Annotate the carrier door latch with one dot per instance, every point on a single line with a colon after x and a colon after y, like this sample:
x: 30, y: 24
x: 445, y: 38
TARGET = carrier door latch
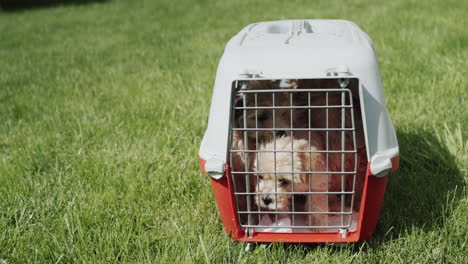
x: 214, y: 168
x: 250, y: 73
x: 380, y: 166
x: 340, y: 70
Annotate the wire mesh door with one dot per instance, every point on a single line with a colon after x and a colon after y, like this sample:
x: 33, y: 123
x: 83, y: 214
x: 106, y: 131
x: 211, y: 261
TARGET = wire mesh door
x: 294, y: 155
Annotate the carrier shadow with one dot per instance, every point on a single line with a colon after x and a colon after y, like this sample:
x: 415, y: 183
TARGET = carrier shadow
x: 416, y: 193
x: 21, y: 5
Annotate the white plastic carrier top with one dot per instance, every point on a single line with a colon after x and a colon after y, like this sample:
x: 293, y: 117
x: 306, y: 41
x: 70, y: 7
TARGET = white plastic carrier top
x: 300, y: 49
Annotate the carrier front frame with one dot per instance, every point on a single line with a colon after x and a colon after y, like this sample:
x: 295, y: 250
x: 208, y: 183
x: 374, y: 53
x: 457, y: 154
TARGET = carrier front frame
x: 369, y: 206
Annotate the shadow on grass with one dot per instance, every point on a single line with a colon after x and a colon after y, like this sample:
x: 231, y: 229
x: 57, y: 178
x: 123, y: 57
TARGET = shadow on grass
x: 20, y: 5
x: 417, y: 193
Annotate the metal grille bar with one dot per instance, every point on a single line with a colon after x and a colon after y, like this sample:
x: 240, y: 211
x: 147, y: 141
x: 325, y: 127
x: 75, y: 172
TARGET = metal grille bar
x: 294, y: 151
x: 296, y: 227
x: 298, y: 213
x: 291, y: 107
x: 292, y: 129
x: 295, y: 172
x: 292, y: 192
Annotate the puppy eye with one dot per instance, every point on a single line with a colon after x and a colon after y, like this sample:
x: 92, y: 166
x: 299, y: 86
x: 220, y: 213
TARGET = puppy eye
x: 262, y: 117
x: 280, y: 133
x: 260, y: 177
x: 284, y: 181
x: 338, y: 197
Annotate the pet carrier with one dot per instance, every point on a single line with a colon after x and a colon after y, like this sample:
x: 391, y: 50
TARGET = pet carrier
x: 299, y: 143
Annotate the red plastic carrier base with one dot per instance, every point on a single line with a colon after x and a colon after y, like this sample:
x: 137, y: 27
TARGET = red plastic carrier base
x: 371, y: 202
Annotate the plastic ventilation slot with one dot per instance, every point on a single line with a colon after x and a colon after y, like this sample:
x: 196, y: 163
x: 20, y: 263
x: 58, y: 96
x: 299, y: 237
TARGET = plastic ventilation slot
x: 299, y: 27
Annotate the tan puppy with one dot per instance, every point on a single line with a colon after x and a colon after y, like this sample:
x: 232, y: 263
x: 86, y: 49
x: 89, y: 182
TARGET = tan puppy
x: 275, y: 184
x: 317, y: 119
x: 260, y: 118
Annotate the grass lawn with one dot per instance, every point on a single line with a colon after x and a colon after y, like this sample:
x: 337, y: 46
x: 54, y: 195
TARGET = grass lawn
x: 103, y: 106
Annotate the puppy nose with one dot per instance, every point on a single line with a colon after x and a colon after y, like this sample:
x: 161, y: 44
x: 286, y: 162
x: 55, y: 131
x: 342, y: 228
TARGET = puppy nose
x: 267, y: 200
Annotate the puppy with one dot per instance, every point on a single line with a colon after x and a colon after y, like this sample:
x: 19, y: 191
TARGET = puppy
x: 275, y: 185
x: 332, y: 140
x: 245, y: 141
x: 259, y: 118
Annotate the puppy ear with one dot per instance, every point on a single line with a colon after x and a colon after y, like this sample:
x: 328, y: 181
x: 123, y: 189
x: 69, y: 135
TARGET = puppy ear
x: 293, y: 83
x: 317, y: 161
x: 238, y: 114
x: 237, y: 100
x: 304, y: 156
x: 304, y: 180
x: 310, y: 161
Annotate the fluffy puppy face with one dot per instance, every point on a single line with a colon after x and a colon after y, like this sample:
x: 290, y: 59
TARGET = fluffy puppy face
x: 262, y: 118
x: 270, y: 184
x: 273, y: 187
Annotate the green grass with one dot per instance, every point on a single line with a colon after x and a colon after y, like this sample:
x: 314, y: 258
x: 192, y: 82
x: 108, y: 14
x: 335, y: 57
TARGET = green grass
x: 103, y: 106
